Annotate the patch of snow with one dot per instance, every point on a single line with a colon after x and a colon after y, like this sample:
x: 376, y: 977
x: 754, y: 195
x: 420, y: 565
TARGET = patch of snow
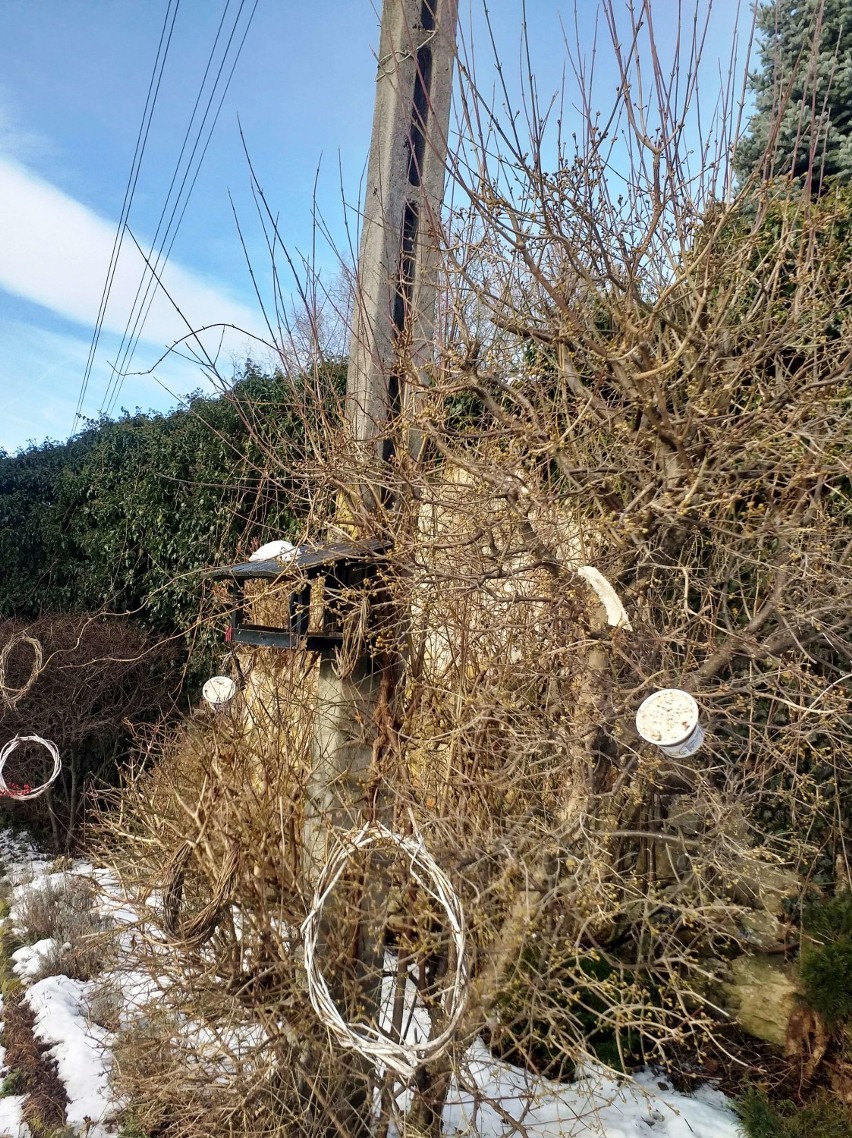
x: 275, y: 551
x: 12, y: 1124
x: 113, y: 903
x: 416, y: 1021
x: 80, y: 1049
x: 712, y: 1096
x: 36, y: 884
x: 22, y: 862
x: 139, y: 992
x: 490, y: 1095
x: 597, y: 1105
x: 16, y: 847
x: 28, y: 961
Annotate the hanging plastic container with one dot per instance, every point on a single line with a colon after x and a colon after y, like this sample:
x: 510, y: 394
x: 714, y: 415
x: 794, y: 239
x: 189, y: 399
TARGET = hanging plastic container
x: 218, y: 692
x: 669, y: 720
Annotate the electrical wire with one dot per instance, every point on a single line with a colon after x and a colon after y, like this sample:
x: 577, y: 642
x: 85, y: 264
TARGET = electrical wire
x: 165, y: 235
x: 130, y: 189
x: 137, y: 306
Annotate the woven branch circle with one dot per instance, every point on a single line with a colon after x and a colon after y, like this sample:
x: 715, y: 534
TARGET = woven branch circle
x: 404, y: 1058
x: 12, y: 695
x: 199, y: 928
x: 24, y: 795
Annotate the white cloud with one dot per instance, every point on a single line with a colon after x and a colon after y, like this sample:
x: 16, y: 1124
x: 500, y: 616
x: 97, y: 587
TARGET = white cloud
x: 56, y: 251
x: 14, y: 140
x: 40, y: 374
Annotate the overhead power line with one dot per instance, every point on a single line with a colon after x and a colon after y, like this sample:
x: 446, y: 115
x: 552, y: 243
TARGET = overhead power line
x: 221, y: 63
x: 130, y: 189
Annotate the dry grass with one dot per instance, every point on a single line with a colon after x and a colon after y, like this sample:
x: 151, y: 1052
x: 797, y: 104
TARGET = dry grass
x: 66, y: 911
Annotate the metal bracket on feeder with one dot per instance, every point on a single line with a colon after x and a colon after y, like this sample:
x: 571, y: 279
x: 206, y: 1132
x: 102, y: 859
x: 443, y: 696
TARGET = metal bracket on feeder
x: 325, y: 580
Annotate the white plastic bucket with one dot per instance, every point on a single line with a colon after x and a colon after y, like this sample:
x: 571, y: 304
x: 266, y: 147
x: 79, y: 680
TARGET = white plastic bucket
x: 218, y: 692
x: 669, y: 719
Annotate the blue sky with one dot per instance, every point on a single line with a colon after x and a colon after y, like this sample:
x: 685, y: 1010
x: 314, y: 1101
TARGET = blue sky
x: 73, y: 81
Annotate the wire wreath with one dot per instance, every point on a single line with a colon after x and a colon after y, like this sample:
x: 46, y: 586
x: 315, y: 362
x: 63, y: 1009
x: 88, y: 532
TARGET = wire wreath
x: 373, y: 1044
x: 24, y: 793
x: 199, y: 928
x: 12, y: 695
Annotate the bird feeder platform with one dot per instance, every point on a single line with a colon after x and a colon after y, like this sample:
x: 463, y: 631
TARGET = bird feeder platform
x: 326, y: 580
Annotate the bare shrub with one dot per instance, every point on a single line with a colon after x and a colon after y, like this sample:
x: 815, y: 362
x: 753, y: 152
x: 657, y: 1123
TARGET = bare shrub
x: 650, y: 382
x: 99, y: 677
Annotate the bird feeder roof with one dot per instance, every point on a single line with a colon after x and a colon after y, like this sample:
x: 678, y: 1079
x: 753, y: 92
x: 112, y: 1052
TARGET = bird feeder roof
x: 308, y: 560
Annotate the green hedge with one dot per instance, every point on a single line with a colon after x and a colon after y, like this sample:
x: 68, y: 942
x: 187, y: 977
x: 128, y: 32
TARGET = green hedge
x: 123, y: 517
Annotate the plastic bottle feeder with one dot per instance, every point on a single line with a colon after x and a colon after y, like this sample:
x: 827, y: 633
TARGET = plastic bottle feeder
x: 669, y: 720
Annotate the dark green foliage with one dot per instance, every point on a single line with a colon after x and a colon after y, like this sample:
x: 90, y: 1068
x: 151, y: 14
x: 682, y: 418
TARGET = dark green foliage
x: 826, y: 968
x: 464, y: 414
x: 126, y: 515
x: 827, y: 978
x: 783, y: 231
x: 759, y: 1117
x: 569, y: 1015
x: 13, y: 1084
x: 822, y: 1118
x: 805, y: 72
x: 830, y: 920
x: 131, y: 1128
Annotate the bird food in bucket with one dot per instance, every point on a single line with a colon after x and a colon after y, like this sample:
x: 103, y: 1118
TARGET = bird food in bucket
x: 669, y: 720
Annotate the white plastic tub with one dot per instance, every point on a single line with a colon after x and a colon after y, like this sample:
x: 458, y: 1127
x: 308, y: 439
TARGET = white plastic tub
x: 218, y: 692
x: 669, y: 719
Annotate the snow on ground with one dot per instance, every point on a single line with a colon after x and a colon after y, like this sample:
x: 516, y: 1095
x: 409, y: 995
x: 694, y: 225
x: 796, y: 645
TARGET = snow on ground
x: 489, y: 1095
x: 19, y: 858
x: 59, y: 1003
x: 488, y: 1098
x: 29, y: 960
x: 11, y: 1123
x: 594, y: 1106
x: 81, y: 1050
x: 11, y: 1106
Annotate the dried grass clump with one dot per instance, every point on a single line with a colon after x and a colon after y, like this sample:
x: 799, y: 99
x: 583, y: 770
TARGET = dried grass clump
x: 66, y: 911
x: 654, y: 384
x: 35, y: 1070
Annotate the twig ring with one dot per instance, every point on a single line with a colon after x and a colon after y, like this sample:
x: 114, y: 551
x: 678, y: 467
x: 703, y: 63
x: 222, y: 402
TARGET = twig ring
x: 404, y: 1058
x: 23, y: 794
x: 12, y: 695
x: 199, y: 928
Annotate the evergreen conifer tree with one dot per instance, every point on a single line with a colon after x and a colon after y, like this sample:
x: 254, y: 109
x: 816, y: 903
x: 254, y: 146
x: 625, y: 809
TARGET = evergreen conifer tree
x: 802, y: 123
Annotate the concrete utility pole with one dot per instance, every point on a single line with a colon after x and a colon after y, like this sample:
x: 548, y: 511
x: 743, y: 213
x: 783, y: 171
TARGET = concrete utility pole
x: 395, y: 299
x: 392, y: 339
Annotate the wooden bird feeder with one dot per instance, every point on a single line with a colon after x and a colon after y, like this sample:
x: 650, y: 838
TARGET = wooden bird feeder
x: 326, y: 581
